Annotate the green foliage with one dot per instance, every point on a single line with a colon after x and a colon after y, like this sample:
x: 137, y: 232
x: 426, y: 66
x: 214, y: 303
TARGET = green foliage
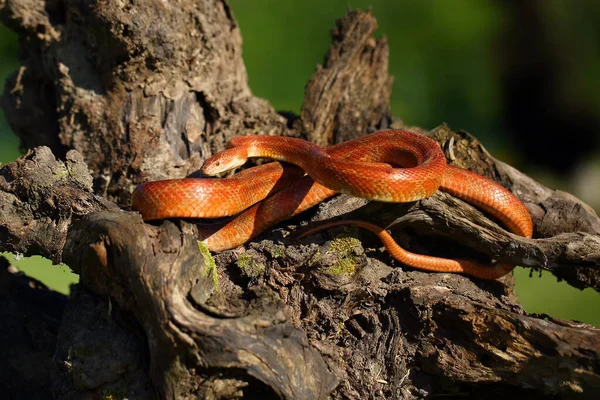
x: 541, y: 293
x: 439, y: 55
x: 56, y: 277
x: 250, y: 264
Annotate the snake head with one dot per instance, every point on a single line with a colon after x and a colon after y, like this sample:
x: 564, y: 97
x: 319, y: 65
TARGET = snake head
x: 225, y: 160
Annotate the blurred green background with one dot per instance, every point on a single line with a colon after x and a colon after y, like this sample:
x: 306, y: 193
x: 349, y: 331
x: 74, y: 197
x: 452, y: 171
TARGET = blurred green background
x: 518, y: 75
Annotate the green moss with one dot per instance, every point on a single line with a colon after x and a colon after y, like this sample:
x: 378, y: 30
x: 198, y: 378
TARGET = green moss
x: 209, y: 261
x: 344, y: 244
x: 250, y: 265
x: 346, y: 265
x: 61, y: 171
x: 344, y: 247
x: 277, y: 252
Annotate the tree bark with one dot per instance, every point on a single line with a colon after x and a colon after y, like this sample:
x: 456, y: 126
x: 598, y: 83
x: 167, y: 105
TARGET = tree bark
x: 123, y: 95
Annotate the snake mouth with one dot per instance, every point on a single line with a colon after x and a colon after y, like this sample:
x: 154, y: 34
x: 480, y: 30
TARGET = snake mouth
x: 224, y: 161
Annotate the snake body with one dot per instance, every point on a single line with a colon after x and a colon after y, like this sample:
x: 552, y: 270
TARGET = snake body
x: 361, y: 167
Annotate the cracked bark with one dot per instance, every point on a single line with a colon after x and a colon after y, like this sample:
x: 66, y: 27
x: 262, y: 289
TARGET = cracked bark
x: 122, y: 96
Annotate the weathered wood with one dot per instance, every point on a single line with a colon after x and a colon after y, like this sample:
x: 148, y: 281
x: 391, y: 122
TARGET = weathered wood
x: 355, y: 71
x: 149, y: 93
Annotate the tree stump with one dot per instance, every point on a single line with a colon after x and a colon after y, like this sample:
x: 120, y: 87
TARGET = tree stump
x: 111, y: 95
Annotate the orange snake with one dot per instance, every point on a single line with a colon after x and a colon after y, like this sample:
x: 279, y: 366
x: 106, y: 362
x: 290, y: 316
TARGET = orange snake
x: 360, y: 167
